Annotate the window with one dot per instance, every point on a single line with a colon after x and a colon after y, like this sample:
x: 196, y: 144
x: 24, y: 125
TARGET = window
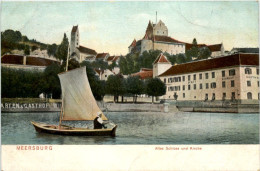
x: 164, y: 80
x: 224, y: 96
x: 200, y: 86
x: 213, y: 96
x: 194, y: 77
x: 248, y: 83
x: 258, y: 96
x: 194, y: 86
x: 213, y: 85
x: 207, y: 75
x: 232, y: 83
x: 232, y: 72
x: 233, y: 97
x: 183, y: 95
x: 223, y: 73
x: 223, y: 84
x: 257, y: 71
x: 248, y: 71
x: 213, y: 74
x: 188, y: 77
x: 183, y: 78
x: 105, y: 75
x: 258, y: 83
x: 207, y: 85
x: 183, y: 87
x: 188, y: 87
x: 249, y: 95
x: 200, y: 76
x: 206, y: 97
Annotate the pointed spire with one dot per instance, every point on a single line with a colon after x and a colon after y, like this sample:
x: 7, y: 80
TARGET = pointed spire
x: 161, y: 59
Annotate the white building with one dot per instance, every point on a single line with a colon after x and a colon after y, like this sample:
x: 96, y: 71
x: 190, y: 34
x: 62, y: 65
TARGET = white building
x: 104, y: 74
x: 80, y: 53
x: 234, y: 77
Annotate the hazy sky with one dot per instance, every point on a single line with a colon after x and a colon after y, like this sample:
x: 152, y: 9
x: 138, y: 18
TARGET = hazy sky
x: 112, y: 26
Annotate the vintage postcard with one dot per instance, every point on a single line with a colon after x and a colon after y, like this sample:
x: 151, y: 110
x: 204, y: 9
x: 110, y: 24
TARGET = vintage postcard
x: 130, y: 85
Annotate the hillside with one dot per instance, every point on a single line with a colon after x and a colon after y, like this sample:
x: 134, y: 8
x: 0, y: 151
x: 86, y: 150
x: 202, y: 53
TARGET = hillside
x: 14, y: 40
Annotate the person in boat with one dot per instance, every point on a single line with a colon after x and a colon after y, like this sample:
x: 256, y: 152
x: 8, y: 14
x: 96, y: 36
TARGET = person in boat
x: 98, y: 122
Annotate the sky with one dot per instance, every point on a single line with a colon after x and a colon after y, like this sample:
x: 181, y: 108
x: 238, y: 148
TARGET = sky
x: 111, y: 26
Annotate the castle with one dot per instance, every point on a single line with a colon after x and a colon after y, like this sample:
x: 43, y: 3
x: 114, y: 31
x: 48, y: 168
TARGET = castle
x: 156, y: 38
x: 80, y: 53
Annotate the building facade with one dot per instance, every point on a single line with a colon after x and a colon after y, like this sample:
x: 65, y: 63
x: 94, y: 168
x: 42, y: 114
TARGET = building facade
x: 234, y: 77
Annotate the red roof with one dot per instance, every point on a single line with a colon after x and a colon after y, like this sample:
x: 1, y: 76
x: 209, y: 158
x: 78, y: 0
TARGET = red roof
x: 115, y: 58
x: 101, y: 55
x: 36, y: 61
x: 74, y: 28
x: 165, y: 39
x: 12, y: 59
x: 144, y: 74
x: 214, y: 48
x: 83, y: 49
x: 30, y: 60
x: 188, y: 46
x: 161, y: 59
x: 215, y: 63
x: 110, y: 58
x: 99, y: 71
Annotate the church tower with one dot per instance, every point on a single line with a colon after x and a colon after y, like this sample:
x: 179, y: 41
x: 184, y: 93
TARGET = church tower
x: 74, y: 40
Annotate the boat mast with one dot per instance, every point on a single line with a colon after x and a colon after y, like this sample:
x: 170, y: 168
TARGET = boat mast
x: 61, y: 111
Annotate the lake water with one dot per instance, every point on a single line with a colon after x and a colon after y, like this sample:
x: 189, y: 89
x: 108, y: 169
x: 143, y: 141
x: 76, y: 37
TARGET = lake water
x: 141, y: 128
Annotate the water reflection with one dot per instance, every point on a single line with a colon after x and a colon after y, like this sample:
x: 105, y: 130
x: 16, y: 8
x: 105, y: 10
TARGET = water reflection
x: 141, y: 128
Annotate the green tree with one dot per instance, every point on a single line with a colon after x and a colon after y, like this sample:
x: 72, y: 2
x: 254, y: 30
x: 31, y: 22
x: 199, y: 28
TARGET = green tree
x: 27, y: 50
x: 100, y: 64
x: 25, y: 39
x: 155, y: 87
x: 11, y: 36
x: 180, y: 59
x: 112, y: 66
x: 115, y: 85
x: 20, y: 83
x: 51, y: 49
x: 123, y: 65
x: 147, y: 58
x: 204, y: 53
x: 62, y: 49
x: 33, y: 48
x: 51, y: 81
x: 135, y: 87
x: 172, y: 59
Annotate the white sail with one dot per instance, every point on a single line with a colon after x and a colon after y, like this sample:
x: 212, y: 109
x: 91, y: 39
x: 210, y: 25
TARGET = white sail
x: 77, y: 98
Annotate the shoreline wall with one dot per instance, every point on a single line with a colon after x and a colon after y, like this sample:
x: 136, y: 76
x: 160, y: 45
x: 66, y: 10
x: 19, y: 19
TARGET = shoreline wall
x: 173, y: 106
x: 107, y: 107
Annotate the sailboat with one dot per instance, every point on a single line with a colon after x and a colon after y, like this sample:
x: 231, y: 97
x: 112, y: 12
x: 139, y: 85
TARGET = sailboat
x: 78, y: 104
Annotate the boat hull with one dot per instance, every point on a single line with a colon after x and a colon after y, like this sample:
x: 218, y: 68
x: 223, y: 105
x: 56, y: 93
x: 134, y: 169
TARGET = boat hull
x: 66, y: 130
